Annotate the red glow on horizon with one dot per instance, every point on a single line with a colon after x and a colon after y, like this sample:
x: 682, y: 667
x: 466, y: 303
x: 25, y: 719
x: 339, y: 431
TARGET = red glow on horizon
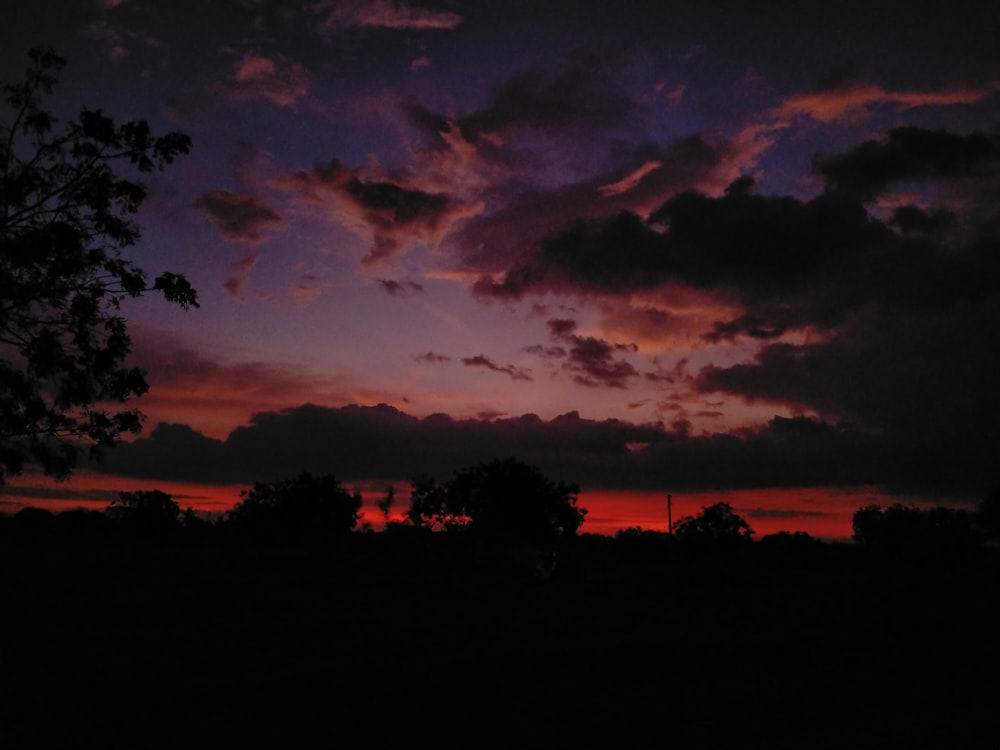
x: 821, y: 512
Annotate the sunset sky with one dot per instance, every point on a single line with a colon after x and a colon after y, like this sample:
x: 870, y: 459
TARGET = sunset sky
x: 730, y: 251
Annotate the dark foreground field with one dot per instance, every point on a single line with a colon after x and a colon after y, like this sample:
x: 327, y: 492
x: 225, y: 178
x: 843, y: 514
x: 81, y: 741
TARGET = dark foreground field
x: 629, y: 644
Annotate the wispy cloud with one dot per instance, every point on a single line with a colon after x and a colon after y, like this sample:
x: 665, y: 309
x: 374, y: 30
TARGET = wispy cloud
x: 432, y: 358
x: 392, y: 213
x: 857, y: 99
x: 259, y: 78
x: 384, y: 14
x: 234, y: 283
x: 481, y: 360
x: 402, y: 288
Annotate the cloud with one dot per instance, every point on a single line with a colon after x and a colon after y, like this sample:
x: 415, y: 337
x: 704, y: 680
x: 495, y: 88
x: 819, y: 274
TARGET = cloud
x: 378, y: 442
x: 792, y: 265
x: 631, y: 180
x: 585, y: 95
x: 911, y: 154
x: 215, y: 394
x: 589, y: 360
x: 384, y: 14
x: 400, y: 288
x: 419, y: 63
x: 783, y: 513
x: 921, y: 381
x: 358, y: 443
x: 119, y: 41
x: 851, y: 98
x: 878, y: 317
x: 483, y: 361
x: 393, y: 214
x: 432, y: 358
x: 240, y: 217
x: 518, y: 246
x: 234, y: 283
x: 259, y: 78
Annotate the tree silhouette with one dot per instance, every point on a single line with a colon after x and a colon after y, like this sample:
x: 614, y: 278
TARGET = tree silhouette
x: 67, y: 196
x: 503, y: 500
x: 716, y: 523
x: 306, y: 509
x: 386, y: 502
x: 149, y: 514
x: 988, y: 515
x: 906, y: 526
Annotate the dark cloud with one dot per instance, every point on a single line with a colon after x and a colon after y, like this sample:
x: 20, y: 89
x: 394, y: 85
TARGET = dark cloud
x: 426, y: 121
x: 193, y: 454
x: 591, y: 361
x: 509, y: 242
x: 922, y: 380
x: 883, y: 318
x: 432, y: 358
x: 398, y: 204
x: 359, y: 443
x: 239, y: 216
x: 792, y: 264
x: 586, y: 95
x: 400, y: 288
x: 546, y: 352
x: 394, y: 214
x: 483, y: 361
x: 561, y: 327
x: 758, y: 246
x: 908, y: 154
x: 783, y: 513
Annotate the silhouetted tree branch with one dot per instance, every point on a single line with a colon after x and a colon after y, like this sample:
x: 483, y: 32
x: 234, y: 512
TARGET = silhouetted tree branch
x: 67, y: 196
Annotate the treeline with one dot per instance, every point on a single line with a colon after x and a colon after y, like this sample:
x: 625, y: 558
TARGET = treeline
x: 502, y: 501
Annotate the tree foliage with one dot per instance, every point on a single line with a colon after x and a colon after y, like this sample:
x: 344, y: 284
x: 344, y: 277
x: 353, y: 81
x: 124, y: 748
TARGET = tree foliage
x: 905, y: 526
x: 306, y: 509
x: 68, y: 195
x: 716, y: 523
x: 149, y: 514
x: 503, y: 499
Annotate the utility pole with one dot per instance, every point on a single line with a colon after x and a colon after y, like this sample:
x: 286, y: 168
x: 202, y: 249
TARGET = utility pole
x: 670, y: 516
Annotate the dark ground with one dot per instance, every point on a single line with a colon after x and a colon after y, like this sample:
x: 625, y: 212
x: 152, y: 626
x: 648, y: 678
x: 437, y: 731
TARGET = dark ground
x: 628, y: 645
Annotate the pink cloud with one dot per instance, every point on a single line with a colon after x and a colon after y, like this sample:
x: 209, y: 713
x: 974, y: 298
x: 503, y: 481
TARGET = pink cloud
x: 234, y: 284
x: 855, y: 100
x: 258, y: 78
x: 384, y: 14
